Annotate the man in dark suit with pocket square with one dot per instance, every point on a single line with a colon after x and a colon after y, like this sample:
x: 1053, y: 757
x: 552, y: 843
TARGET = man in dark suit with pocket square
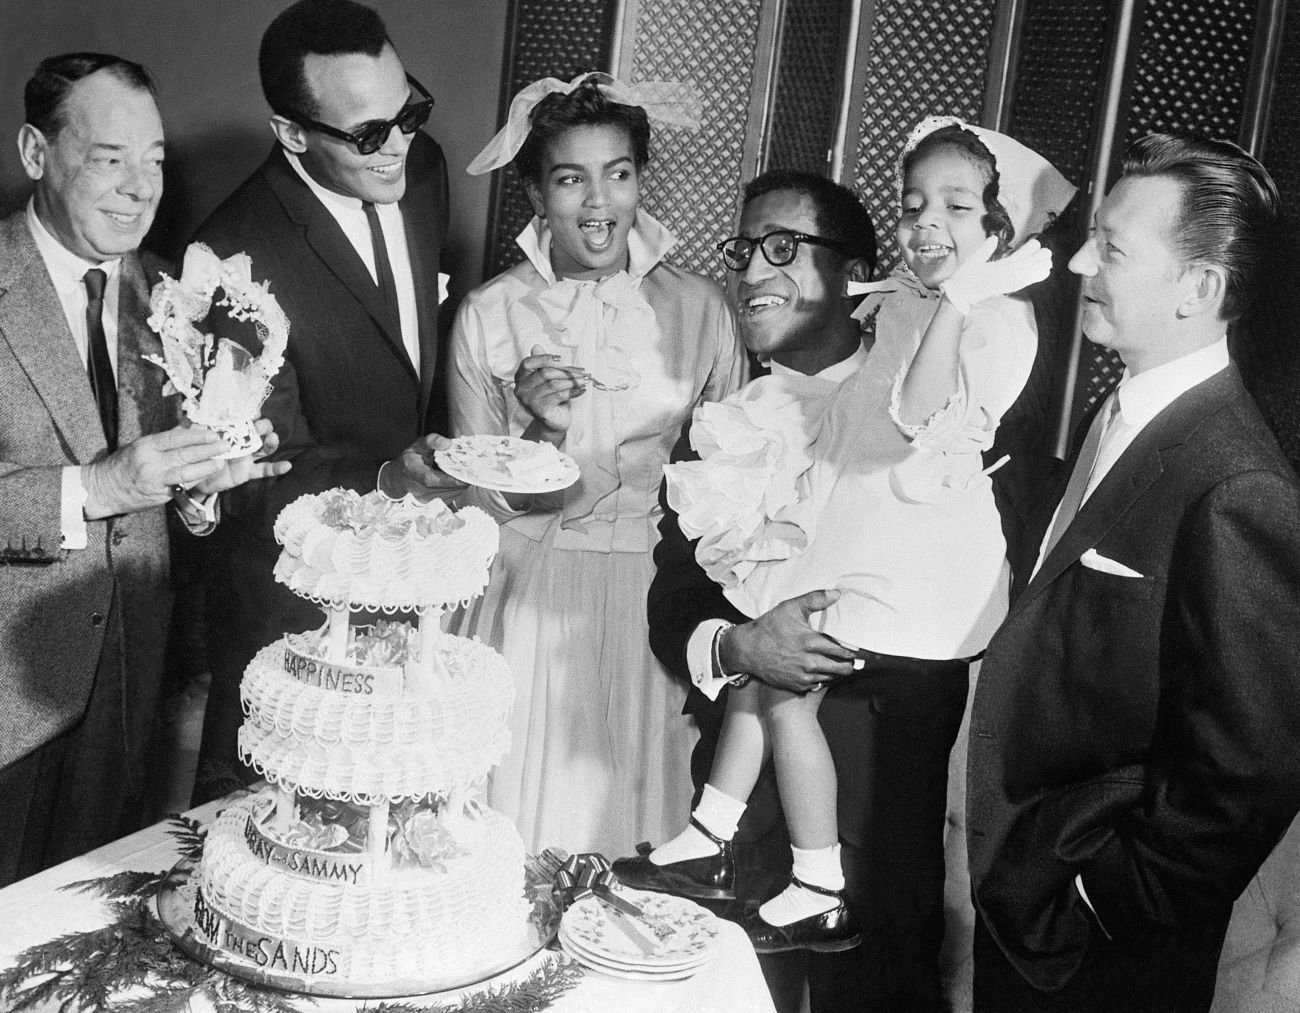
x: 346, y: 219
x: 1135, y: 736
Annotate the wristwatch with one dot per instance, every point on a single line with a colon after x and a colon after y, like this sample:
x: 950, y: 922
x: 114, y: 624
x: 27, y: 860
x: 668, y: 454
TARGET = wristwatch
x: 736, y: 679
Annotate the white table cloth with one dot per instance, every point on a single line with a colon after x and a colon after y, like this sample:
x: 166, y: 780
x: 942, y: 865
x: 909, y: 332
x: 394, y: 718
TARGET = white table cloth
x: 35, y: 910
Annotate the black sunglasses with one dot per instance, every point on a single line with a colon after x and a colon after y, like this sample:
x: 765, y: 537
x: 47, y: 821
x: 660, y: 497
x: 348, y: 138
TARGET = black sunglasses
x: 779, y: 248
x: 372, y: 136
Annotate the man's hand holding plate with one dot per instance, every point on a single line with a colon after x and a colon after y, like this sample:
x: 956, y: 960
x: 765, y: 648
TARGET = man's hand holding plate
x: 413, y: 472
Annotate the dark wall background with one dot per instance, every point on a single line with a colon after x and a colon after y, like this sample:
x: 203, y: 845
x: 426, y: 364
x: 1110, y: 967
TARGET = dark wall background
x: 204, y: 56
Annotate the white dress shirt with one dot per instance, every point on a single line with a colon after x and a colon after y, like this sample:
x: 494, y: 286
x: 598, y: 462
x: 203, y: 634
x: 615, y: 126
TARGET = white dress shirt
x: 699, y: 648
x: 347, y: 211
x: 1142, y: 397
x: 67, y: 272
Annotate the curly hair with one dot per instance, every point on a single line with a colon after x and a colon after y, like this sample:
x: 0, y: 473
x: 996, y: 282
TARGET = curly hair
x: 995, y: 221
x: 585, y: 106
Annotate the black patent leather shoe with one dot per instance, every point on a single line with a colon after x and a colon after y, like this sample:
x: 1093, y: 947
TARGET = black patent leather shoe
x: 710, y: 878
x: 829, y: 932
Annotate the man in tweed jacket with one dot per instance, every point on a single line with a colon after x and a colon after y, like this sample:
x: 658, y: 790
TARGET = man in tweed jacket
x: 84, y: 595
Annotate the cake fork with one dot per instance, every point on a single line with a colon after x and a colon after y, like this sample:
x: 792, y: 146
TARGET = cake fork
x: 581, y: 374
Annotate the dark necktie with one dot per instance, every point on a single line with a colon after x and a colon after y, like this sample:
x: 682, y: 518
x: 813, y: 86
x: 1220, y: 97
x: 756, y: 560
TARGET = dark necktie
x: 1083, y: 468
x: 98, y: 363
x: 383, y: 268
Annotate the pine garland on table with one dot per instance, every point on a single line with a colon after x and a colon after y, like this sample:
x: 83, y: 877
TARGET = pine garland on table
x: 89, y: 971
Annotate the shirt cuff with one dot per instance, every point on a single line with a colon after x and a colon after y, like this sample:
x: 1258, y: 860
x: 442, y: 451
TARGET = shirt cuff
x: 200, y: 514
x: 1078, y: 885
x: 72, y: 509
x: 699, y: 658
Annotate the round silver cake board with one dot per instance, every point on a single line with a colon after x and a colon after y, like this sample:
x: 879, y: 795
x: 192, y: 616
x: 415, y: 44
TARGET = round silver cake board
x: 176, y: 909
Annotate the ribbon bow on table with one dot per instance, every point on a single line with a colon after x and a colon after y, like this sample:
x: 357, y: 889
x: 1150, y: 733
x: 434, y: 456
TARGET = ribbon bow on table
x: 583, y: 876
x: 590, y: 875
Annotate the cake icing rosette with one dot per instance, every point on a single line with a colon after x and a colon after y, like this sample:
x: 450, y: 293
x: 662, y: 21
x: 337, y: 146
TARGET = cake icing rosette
x: 345, y: 549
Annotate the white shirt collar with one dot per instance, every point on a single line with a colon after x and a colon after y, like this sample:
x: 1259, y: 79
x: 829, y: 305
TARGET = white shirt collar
x: 836, y: 372
x: 1144, y: 395
x: 334, y: 201
x: 66, y: 269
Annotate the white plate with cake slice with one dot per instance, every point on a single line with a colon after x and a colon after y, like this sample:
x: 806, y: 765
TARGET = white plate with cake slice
x: 507, y: 464
x: 627, y: 974
x: 641, y: 964
x: 687, y: 932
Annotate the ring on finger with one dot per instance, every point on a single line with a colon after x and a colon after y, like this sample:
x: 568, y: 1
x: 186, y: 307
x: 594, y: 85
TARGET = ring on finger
x: 816, y: 687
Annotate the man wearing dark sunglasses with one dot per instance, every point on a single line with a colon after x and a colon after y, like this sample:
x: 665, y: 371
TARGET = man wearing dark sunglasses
x: 346, y: 219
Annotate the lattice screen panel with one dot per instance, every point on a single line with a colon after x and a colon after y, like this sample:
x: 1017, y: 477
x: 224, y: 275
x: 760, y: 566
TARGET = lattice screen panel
x: 694, y: 178
x: 548, y: 38
x: 808, y: 85
x: 1190, y: 76
x: 925, y: 58
x: 1282, y: 146
x: 1058, y: 85
x: 1058, y: 81
x: 1271, y: 362
x: 1192, y: 68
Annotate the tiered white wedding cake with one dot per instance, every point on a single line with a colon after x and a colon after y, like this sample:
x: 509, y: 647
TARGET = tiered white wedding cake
x: 368, y: 860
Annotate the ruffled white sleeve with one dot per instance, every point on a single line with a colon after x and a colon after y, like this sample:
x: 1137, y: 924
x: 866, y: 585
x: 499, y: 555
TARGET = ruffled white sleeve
x: 998, y: 341
x: 742, y: 499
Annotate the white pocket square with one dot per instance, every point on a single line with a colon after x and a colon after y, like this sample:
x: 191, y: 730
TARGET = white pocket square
x: 1094, y: 560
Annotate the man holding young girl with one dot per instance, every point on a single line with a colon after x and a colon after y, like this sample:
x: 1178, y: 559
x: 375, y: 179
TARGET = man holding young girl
x: 890, y: 733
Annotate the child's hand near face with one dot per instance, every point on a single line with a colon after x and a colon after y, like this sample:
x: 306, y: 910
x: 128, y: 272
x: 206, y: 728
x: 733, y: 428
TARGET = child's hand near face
x: 978, y: 278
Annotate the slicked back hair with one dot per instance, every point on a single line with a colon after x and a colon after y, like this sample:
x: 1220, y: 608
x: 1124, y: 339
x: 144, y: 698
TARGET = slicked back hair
x: 1230, y: 210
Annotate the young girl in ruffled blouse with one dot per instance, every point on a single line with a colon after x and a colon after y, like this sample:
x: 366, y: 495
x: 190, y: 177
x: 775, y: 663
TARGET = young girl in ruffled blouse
x: 598, y: 345
x: 893, y: 507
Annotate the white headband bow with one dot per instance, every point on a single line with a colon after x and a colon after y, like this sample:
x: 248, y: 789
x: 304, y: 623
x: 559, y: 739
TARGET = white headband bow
x: 1029, y: 186
x: 669, y: 102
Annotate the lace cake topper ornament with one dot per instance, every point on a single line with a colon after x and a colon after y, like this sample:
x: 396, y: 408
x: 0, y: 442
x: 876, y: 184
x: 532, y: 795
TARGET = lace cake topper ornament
x: 222, y: 384
x: 671, y: 103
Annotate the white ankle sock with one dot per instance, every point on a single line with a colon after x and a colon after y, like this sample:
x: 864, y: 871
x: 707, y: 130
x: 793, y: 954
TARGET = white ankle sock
x: 817, y: 866
x: 717, y: 811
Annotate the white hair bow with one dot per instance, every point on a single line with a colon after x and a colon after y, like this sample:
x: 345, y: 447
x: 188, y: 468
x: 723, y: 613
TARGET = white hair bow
x: 672, y: 103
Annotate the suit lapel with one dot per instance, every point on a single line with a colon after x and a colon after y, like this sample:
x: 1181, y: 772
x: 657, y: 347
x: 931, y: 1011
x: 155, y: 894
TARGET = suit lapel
x: 326, y: 238
x: 1137, y: 468
x: 33, y: 323
x: 140, y: 408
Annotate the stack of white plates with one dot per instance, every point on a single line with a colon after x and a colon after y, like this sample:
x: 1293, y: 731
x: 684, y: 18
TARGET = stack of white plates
x: 681, y: 937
